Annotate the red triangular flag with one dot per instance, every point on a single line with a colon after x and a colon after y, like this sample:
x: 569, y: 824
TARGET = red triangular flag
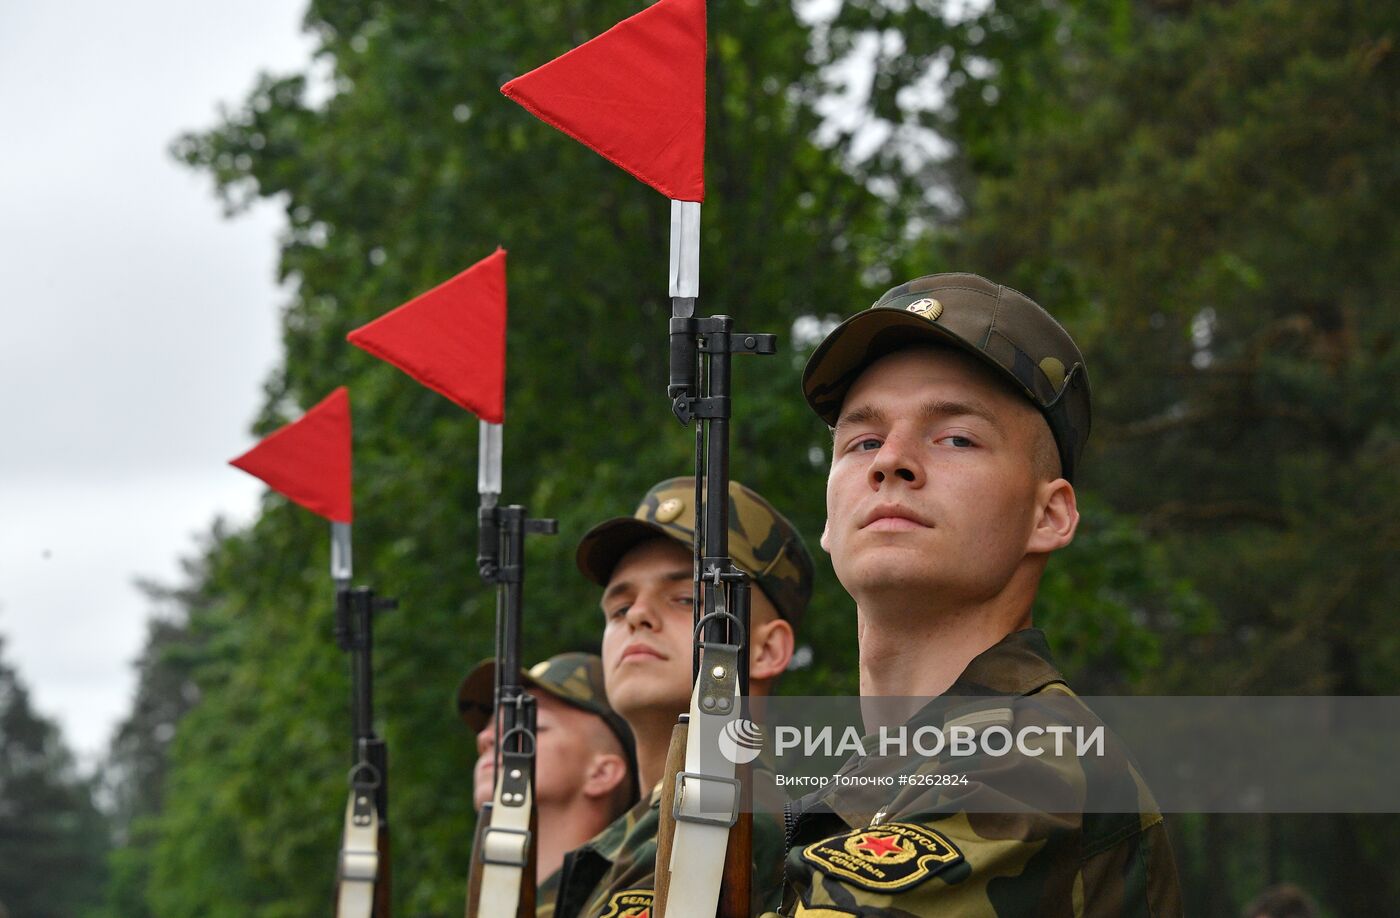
x: 308, y: 460
x: 451, y: 339
x: 635, y: 94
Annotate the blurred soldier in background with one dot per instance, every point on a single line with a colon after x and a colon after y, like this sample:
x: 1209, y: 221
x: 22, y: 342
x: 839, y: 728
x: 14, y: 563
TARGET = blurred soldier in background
x: 644, y: 563
x: 585, y: 771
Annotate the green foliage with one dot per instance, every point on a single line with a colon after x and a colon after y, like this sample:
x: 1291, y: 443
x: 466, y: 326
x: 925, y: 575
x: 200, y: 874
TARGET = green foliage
x: 52, y: 837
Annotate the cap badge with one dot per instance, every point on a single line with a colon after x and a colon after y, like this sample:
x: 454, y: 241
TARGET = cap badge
x: 928, y: 308
x: 1054, y: 371
x: 669, y: 509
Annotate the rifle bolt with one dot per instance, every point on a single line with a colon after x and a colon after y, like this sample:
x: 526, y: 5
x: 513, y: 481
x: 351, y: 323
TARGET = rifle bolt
x: 362, y: 800
x: 515, y: 773
x: 717, y: 672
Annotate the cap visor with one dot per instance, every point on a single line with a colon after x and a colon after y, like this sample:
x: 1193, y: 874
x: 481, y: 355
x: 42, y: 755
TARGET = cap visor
x: 605, y: 544
x: 866, y: 337
x: 476, y: 695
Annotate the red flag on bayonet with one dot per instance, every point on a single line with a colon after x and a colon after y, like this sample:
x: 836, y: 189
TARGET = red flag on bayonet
x: 308, y: 460
x: 451, y: 339
x: 635, y: 94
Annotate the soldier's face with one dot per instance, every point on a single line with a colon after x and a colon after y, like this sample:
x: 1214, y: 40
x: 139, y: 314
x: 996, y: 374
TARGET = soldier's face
x: 563, y: 753
x: 932, y: 484
x: 648, y: 610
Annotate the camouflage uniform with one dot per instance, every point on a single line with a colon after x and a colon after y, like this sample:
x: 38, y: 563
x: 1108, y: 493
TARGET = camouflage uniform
x: 920, y: 850
x: 545, y: 895
x: 614, y: 875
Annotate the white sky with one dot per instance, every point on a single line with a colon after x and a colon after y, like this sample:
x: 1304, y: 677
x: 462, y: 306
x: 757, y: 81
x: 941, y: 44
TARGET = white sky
x: 138, y: 324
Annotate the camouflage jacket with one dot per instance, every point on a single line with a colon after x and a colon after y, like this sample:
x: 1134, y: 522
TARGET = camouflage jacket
x: 545, y: 894
x: 614, y: 875
x: 947, y: 851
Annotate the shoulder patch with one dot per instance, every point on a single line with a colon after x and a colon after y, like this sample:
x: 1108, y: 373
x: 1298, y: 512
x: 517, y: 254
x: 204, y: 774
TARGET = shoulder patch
x: 630, y: 903
x: 889, y: 857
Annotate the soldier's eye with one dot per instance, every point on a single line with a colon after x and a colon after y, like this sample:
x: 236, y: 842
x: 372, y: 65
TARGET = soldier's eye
x: 617, y: 612
x: 959, y: 441
x: 865, y: 444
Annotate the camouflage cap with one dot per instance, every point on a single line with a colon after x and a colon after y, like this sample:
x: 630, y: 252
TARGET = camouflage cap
x: 1012, y: 335
x: 761, y: 540
x: 574, y: 678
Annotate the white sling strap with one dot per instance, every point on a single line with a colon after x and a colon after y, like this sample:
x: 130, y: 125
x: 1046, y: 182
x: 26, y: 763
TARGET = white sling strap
x: 707, y: 794
x: 505, y: 845
x: 359, y: 856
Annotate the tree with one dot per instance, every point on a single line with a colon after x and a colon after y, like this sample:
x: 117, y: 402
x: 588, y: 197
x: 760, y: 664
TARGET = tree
x: 52, y: 837
x: 137, y: 761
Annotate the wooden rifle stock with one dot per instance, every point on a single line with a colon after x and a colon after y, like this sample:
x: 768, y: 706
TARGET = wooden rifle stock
x: 734, y: 895
x: 383, y: 886
x: 483, y: 819
x: 666, y: 828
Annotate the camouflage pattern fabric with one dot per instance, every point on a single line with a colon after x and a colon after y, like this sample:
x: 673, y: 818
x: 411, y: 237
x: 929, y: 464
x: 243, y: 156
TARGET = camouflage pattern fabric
x: 1016, y: 339
x: 614, y: 875
x: 926, y: 851
x: 545, y: 895
x: 762, y: 541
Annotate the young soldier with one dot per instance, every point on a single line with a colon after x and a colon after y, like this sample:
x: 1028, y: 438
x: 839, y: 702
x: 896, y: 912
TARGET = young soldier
x: 644, y: 562
x: 959, y: 411
x: 585, y: 775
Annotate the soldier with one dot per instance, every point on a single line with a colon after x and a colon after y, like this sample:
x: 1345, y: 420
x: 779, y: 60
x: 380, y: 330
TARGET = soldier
x: 644, y: 564
x: 585, y: 773
x: 959, y: 411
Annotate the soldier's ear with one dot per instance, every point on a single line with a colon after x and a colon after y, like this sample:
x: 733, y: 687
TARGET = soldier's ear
x: 826, y: 534
x: 770, y: 648
x: 606, y: 772
x: 1057, y: 517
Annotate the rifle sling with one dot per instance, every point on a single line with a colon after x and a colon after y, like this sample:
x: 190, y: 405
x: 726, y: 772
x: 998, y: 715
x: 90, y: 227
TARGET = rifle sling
x: 505, y: 843
x: 359, y: 856
x: 707, y: 794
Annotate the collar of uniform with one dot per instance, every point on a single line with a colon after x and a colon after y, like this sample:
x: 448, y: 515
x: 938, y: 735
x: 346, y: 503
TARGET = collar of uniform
x: 546, y: 893
x: 610, y: 842
x: 585, y: 866
x: 1018, y: 664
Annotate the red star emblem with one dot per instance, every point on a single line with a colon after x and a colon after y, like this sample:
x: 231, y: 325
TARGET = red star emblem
x: 877, y: 846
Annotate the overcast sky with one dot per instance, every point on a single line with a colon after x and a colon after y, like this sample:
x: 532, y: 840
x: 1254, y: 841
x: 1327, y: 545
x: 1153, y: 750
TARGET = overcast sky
x: 138, y: 325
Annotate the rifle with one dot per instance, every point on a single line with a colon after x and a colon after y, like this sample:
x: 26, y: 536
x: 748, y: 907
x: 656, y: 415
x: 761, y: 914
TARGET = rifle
x: 622, y: 64
x: 504, y: 851
x: 364, y: 870
x: 707, y: 826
